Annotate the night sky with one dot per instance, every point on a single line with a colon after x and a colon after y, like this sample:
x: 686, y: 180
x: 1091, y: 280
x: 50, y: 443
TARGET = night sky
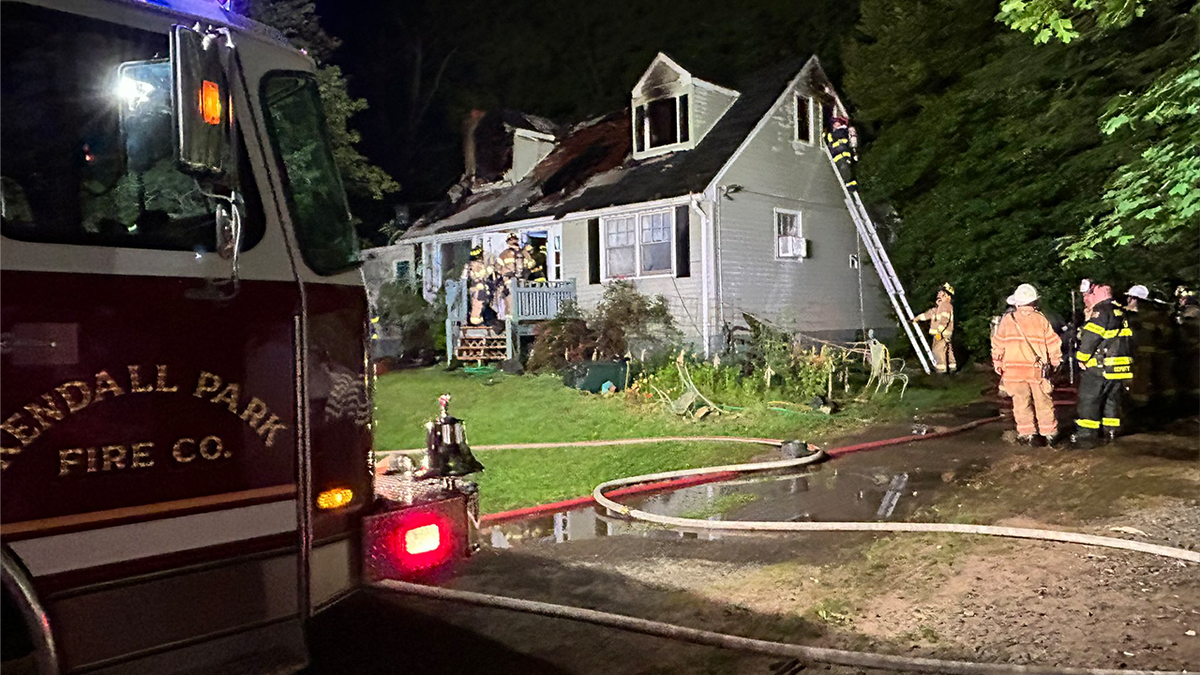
x: 566, y: 61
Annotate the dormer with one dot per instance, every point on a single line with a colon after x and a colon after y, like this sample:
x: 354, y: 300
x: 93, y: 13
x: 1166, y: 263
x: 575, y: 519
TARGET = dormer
x: 672, y: 110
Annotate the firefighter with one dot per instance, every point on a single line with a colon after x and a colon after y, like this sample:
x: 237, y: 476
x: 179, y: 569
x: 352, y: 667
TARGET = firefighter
x: 843, y: 146
x: 1187, y: 346
x: 941, y: 328
x: 1153, y: 390
x: 1025, y: 350
x: 480, y: 279
x: 1105, y: 357
x: 512, y: 263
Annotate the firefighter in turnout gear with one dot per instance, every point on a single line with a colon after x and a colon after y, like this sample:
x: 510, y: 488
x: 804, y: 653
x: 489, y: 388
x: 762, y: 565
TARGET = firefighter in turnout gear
x: 843, y: 146
x: 1025, y: 350
x: 1187, y: 346
x: 480, y: 278
x: 512, y: 263
x: 1153, y: 390
x: 941, y: 328
x: 1105, y: 357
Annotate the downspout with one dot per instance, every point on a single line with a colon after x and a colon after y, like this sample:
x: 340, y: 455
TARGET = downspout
x: 705, y: 324
x: 718, y: 194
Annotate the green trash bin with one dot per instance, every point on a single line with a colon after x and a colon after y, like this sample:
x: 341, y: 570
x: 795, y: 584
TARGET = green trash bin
x: 590, y: 376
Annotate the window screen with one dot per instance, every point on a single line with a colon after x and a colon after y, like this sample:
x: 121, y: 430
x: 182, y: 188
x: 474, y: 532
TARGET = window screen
x: 89, y: 157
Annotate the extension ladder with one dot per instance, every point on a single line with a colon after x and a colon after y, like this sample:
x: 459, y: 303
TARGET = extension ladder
x: 883, y: 266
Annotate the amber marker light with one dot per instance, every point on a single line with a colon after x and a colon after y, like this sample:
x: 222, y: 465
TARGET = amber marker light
x: 335, y: 498
x: 210, y: 102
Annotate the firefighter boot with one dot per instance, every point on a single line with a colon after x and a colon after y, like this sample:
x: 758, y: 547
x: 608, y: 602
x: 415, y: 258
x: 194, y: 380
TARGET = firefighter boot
x: 1083, y: 442
x: 1052, y: 441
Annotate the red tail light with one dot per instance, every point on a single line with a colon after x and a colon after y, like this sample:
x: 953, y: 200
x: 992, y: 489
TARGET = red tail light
x: 415, y: 540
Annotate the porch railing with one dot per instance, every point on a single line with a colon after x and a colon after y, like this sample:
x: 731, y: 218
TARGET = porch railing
x: 530, y: 300
x: 540, y: 300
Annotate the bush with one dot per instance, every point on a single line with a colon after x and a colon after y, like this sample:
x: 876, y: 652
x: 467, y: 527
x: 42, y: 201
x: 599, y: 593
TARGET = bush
x: 419, y: 327
x: 625, y: 321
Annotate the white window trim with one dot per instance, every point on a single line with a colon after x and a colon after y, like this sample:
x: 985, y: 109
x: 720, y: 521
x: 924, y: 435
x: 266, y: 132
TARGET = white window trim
x: 637, y: 246
x: 775, y: 232
x: 814, y: 116
x: 644, y: 132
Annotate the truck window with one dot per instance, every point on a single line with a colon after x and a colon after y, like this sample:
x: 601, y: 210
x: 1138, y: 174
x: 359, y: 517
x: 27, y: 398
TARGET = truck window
x: 296, y: 123
x: 71, y: 172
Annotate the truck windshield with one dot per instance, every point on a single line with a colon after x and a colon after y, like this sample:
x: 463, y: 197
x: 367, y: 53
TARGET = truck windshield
x: 296, y: 123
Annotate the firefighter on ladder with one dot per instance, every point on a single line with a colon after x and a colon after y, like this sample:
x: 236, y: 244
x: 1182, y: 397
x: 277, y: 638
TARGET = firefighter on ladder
x: 1105, y: 357
x: 843, y: 147
x: 941, y: 328
x: 479, y: 276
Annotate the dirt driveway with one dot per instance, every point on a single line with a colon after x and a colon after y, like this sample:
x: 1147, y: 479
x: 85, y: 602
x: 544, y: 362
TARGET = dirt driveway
x: 943, y: 596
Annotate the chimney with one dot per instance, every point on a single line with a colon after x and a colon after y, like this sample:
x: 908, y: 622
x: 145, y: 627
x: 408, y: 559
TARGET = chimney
x: 470, y: 122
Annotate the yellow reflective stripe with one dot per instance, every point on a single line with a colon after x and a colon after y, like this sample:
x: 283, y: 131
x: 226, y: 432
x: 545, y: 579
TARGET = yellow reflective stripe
x: 1088, y: 359
x: 1117, y: 312
x: 1095, y: 328
x: 838, y: 157
x: 1110, y: 334
x: 1088, y: 424
x: 1118, y: 376
x: 1112, y: 422
x: 1125, y: 332
x: 1118, y: 360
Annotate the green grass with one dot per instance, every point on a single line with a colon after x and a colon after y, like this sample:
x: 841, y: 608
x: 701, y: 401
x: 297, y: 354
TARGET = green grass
x: 534, y: 409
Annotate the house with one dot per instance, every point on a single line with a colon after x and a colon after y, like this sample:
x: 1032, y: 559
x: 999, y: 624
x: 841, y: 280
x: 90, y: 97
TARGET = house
x: 721, y: 200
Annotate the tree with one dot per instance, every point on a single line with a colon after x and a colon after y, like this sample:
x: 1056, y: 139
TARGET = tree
x: 986, y: 145
x: 298, y: 21
x: 1153, y: 199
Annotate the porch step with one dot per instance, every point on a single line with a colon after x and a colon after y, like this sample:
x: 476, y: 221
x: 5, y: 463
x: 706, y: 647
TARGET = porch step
x: 480, y: 344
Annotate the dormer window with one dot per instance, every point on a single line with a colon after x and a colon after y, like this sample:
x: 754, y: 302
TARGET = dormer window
x: 662, y: 123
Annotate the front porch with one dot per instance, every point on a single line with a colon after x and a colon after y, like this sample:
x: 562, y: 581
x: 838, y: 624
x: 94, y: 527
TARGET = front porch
x: 532, y: 302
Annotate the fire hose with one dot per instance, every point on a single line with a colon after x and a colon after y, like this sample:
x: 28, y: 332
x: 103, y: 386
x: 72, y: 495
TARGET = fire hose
x: 782, y: 649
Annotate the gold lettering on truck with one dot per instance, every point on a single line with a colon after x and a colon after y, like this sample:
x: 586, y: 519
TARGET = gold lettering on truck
x: 57, y: 405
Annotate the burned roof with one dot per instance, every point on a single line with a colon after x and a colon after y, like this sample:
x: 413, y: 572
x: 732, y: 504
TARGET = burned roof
x: 592, y: 167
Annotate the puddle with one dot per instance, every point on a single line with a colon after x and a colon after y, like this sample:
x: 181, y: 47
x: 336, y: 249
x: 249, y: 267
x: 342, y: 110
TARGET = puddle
x: 826, y: 492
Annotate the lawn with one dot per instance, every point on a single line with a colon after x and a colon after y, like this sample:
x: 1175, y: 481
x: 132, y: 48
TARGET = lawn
x: 516, y: 409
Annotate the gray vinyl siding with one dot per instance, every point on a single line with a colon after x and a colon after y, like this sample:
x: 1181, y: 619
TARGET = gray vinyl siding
x: 818, y: 295
x: 684, y: 296
x: 707, y: 107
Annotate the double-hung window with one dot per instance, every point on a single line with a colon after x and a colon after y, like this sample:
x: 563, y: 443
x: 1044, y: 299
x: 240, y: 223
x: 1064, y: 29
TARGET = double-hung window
x: 640, y: 244
x: 789, y: 243
x: 620, y: 247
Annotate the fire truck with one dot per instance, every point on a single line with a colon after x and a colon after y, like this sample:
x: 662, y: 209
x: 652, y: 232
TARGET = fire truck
x: 185, y: 388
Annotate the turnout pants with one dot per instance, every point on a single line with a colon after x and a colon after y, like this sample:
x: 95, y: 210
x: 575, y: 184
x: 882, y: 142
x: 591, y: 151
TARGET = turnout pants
x: 1099, y: 404
x: 943, y: 355
x: 1033, y: 409
x: 845, y: 167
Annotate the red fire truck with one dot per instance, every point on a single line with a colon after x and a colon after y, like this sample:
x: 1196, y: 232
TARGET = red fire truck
x: 186, y: 397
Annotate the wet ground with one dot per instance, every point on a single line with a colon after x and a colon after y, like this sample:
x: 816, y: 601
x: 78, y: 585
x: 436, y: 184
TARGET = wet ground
x: 944, y: 596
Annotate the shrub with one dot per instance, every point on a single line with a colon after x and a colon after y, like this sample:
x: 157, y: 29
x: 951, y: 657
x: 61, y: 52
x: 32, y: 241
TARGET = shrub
x: 405, y: 316
x: 624, y: 321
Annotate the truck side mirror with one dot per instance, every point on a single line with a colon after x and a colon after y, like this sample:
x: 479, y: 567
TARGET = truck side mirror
x: 202, y: 107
